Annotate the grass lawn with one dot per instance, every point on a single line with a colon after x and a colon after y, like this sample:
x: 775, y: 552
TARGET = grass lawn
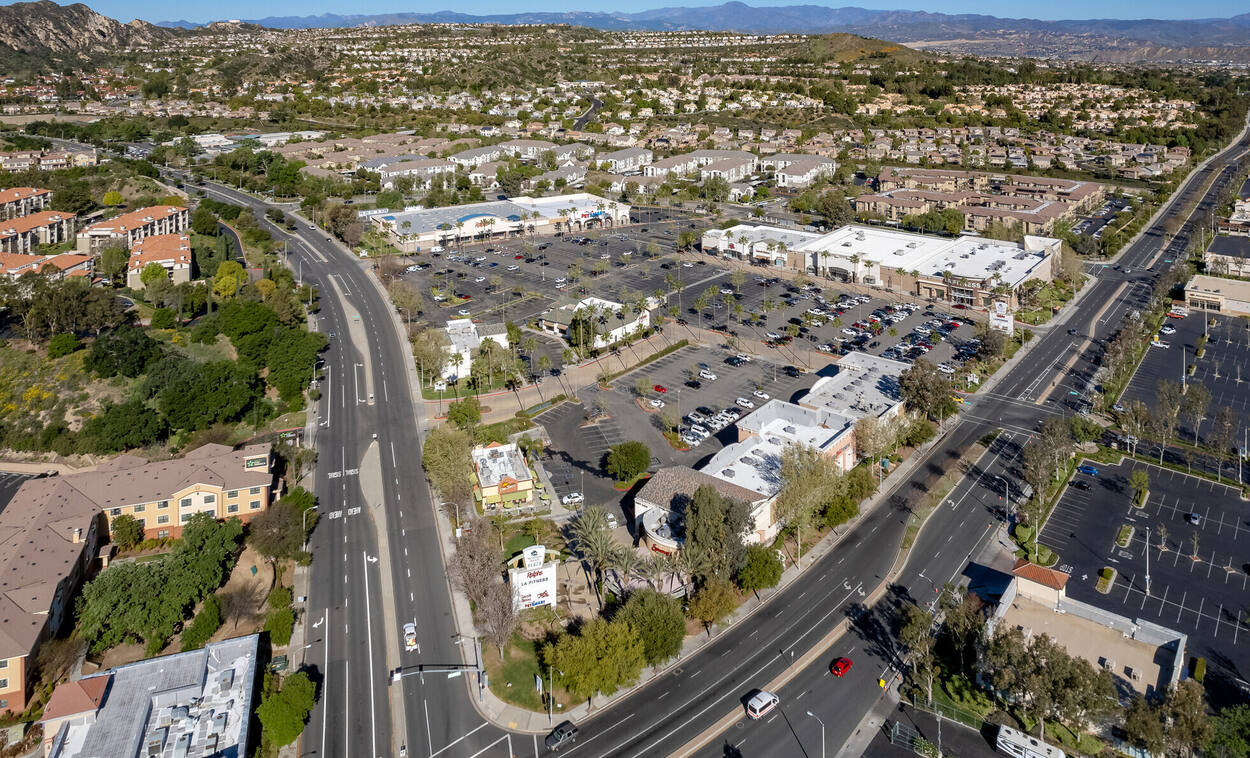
x: 513, y: 679
x: 1125, y: 536
x: 516, y: 543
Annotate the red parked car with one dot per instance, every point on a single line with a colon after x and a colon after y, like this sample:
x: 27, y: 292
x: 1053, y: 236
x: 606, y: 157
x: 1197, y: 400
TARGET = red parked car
x: 660, y: 388
x: 840, y: 667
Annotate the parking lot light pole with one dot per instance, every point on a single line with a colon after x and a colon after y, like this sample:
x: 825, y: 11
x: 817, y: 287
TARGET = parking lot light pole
x: 822, y: 733
x: 1147, y: 561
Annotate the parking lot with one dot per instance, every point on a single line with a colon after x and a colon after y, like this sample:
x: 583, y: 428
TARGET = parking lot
x: 1224, y: 368
x: 1095, y: 223
x: 578, y: 448
x: 1200, y: 588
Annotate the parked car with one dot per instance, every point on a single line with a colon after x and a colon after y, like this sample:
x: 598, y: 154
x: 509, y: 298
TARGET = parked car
x: 660, y: 388
x: 572, y: 498
x: 760, y: 394
x: 743, y: 402
x: 1087, y: 469
x: 708, y: 375
x: 656, y: 403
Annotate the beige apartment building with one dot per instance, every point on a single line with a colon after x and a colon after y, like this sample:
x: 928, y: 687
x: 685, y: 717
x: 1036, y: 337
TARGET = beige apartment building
x: 53, y: 534
x: 129, y: 228
x: 22, y: 201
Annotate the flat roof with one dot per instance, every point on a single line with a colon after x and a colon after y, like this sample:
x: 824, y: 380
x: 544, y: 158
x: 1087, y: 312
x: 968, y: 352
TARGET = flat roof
x: 1233, y: 247
x: 495, y: 463
x: 791, y: 238
x: 865, y: 385
x: 192, y: 704
x: 425, y: 220
x: 1234, y: 289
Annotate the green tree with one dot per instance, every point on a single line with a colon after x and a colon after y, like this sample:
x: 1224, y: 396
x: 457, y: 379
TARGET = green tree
x: 628, y: 460
x: 1144, y: 726
x: 714, y: 601
x: 204, y: 221
x: 914, y: 634
x: 113, y: 197
x: 809, y: 481
x: 1185, y: 714
x: 127, y: 351
x: 282, y: 716
x: 1230, y: 733
x: 152, y: 273
x: 602, y: 658
x: 113, y: 261
x: 923, y: 387
x: 762, y: 569
x: 716, y: 527
x: 1139, y: 482
x: 126, y: 532
x: 277, y: 532
x: 163, y: 318
x: 466, y: 413
x: 122, y: 427
x: 229, y: 279
x: 447, y: 461
x: 658, y: 621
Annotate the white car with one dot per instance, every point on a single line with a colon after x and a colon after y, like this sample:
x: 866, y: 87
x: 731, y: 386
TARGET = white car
x: 726, y: 290
x: 480, y: 258
x: 410, y: 637
x: 848, y: 331
x: 611, y: 519
x: 1160, y: 343
x: 744, y: 403
x: 743, y: 357
x: 657, y: 402
x: 708, y: 375
x: 1167, y: 329
x: 761, y: 394
x: 463, y: 312
x: 691, y: 441
x: 605, y: 257
x: 513, y: 268
x: 946, y: 368
x: 436, y: 249
x: 572, y: 498
x: 687, y: 264
x: 479, y: 280
x: 772, y: 335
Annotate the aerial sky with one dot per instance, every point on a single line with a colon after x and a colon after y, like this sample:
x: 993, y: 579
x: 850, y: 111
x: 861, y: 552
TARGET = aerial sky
x: 162, y: 10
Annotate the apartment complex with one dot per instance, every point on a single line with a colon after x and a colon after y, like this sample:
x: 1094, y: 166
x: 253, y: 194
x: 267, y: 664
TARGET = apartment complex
x: 22, y: 234
x: 53, y: 529
x: 197, y: 703
x: 1031, y: 203
x: 129, y: 228
x: 171, y: 252
x: 22, y: 201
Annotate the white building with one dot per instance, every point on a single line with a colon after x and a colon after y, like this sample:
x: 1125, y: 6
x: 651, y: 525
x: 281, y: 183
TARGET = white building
x: 616, y: 320
x: 624, y: 161
x: 464, y: 338
x: 865, y: 386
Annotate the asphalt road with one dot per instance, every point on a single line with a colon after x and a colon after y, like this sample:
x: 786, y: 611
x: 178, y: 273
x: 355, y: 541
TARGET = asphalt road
x: 439, y: 718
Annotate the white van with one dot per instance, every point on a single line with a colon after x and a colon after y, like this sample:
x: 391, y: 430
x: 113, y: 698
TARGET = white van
x: 761, y: 704
x: 436, y: 249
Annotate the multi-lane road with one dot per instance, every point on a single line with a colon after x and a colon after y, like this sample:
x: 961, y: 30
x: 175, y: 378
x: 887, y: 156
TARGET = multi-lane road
x: 361, y: 590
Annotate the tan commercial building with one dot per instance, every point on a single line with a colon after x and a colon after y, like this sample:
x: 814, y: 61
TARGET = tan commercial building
x: 1211, y: 293
x: 127, y: 229
x: 504, y: 479
x: 52, y: 530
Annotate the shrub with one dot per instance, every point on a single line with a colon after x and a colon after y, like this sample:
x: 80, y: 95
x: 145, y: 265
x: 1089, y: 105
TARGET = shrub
x: 62, y: 345
x: 279, y: 624
x: 163, y: 318
x: 1200, y: 670
x: 206, y: 622
x: 918, y: 433
x: 280, y: 598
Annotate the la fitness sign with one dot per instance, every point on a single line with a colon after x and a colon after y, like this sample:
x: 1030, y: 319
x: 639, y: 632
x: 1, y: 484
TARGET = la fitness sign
x: 534, y: 581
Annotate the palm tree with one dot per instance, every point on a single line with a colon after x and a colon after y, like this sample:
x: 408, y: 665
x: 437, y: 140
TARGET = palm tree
x: 854, y: 267
x: 593, y: 541
x: 530, y: 344
x: 651, y: 570
x: 626, y: 564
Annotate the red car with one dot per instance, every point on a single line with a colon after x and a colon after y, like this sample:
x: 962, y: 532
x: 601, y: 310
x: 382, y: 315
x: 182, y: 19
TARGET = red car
x: 660, y: 388
x: 518, y: 257
x: 840, y: 667
x: 960, y: 306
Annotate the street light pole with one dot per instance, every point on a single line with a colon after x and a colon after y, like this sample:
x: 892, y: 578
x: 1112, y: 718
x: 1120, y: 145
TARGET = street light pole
x: 822, y: 733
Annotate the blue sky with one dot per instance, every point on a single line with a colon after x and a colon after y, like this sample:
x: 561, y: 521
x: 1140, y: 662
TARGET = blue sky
x: 158, y: 10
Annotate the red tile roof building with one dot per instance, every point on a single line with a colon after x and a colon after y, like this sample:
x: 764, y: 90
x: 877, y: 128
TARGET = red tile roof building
x: 170, y: 251
x: 22, y: 234
x: 129, y: 228
x: 22, y: 201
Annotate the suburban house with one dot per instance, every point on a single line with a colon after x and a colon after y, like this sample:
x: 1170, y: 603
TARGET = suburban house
x: 169, y: 251
x: 52, y: 530
x: 197, y: 703
x: 503, y: 478
x: 615, y: 320
x: 22, y: 234
x: 23, y: 201
x: 689, y: 163
x: 464, y: 338
x: 127, y: 229
x: 420, y: 169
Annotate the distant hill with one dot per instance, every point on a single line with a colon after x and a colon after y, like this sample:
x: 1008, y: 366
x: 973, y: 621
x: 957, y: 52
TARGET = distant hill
x: 1076, y: 38
x: 45, y: 29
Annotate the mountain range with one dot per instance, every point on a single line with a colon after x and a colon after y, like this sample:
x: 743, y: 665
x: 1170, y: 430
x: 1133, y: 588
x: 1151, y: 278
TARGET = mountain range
x: 898, y: 25
x: 44, y: 27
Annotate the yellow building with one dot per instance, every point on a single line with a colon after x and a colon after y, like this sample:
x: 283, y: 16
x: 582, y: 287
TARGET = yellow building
x: 504, y: 479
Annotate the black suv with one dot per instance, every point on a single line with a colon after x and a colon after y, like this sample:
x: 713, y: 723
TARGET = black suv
x: 564, y: 734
